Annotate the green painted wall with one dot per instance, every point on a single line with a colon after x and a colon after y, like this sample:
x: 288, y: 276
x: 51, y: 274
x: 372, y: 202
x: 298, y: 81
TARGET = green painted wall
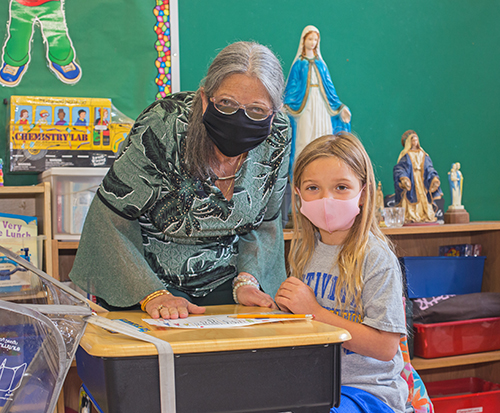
x: 429, y: 66
x: 114, y: 42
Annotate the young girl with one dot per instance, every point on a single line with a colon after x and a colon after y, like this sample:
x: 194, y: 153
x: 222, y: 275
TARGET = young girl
x: 345, y: 272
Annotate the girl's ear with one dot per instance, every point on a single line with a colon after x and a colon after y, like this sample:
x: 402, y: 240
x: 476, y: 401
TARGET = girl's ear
x: 297, y: 191
x: 362, y: 198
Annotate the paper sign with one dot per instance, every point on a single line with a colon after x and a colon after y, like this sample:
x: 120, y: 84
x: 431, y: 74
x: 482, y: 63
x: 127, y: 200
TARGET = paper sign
x: 210, y: 321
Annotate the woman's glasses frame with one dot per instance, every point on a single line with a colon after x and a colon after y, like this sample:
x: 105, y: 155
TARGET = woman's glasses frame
x: 229, y: 106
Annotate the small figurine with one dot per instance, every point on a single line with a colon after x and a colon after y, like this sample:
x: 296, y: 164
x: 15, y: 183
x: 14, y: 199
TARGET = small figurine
x: 379, y: 204
x: 456, y: 212
x: 310, y: 97
x: 416, y: 182
x: 1, y: 172
x: 456, y: 185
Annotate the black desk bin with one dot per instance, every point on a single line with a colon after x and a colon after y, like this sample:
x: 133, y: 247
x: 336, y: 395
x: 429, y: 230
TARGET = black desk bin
x: 274, y: 380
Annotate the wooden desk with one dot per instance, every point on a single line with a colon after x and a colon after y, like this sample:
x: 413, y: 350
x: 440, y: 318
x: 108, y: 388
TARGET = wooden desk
x: 276, y: 367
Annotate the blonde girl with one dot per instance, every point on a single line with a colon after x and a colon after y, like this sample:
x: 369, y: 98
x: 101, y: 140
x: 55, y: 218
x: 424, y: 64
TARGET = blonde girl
x: 345, y: 272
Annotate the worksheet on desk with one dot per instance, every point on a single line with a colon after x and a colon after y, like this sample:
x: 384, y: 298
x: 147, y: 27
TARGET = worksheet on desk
x: 211, y: 321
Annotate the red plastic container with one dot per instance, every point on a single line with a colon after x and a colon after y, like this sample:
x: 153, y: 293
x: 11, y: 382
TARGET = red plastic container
x: 468, y: 395
x: 456, y: 337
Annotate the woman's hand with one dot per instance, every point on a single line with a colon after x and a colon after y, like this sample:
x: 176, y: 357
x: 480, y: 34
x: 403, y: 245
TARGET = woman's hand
x: 297, y: 297
x: 169, y: 306
x: 252, y: 296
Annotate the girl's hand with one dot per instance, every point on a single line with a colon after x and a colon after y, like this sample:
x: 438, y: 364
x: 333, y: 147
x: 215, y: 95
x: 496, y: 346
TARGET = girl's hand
x: 297, y: 297
x: 172, y: 307
x: 252, y: 296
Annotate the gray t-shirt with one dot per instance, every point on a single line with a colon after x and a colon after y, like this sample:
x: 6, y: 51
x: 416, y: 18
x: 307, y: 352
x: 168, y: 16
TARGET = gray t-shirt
x: 382, y: 300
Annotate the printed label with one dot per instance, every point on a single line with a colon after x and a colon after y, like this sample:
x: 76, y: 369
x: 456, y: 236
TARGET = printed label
x: 471, y: 410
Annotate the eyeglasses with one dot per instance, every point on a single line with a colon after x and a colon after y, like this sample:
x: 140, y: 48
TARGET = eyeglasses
x: 229, y: 106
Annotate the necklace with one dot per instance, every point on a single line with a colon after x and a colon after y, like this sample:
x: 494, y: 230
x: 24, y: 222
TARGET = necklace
x: 227, y: 178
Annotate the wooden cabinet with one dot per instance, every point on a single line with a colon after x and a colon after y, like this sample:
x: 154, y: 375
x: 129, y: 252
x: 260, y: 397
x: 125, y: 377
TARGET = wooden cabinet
x: 63, y: 256
x: 33, y: 201
x: 411, y: 241
x: 425, y: 241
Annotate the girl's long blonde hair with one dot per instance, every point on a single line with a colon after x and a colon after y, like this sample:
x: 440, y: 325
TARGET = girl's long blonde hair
x: 347, y: 148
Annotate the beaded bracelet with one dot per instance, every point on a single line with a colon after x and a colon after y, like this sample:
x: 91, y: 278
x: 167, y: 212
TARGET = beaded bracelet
x: 153, y: 295
x: 245, y: 277
x: 241, y: 280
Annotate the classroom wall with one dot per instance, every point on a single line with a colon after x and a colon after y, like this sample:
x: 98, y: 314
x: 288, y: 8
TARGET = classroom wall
x: 428, y: 66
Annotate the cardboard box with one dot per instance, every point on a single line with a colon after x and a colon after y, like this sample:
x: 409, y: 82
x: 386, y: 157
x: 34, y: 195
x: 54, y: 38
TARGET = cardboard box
x: 19, y: 234
x: 46, y: 132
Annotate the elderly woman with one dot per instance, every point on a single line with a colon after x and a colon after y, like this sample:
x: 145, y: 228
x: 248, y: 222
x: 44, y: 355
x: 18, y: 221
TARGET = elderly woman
x: 189, y: 213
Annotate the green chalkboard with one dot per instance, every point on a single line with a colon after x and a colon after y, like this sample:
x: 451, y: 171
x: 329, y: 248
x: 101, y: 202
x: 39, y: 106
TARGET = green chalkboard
x: 431, y: 66
x: 114, y: 44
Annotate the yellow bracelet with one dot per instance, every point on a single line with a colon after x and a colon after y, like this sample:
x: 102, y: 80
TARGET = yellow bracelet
x: 152, y: 296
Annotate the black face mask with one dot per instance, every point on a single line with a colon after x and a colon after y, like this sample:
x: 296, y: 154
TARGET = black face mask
x: 235, y: 134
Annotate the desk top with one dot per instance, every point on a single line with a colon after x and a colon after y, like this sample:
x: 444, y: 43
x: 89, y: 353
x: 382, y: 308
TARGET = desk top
x: 101, y: 343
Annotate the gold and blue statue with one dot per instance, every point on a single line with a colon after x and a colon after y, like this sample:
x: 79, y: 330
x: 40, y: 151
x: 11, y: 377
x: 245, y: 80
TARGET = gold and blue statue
x: 416, y: 182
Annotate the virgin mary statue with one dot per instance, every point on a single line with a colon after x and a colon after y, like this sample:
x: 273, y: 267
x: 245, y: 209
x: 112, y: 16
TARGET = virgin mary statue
x: 310, y: 97
x: 416, y: 182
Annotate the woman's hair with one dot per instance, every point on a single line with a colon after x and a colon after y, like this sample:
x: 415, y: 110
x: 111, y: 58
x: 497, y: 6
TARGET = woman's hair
x: 304, y: 43
x: 247, y: 58
x: 347, y: 148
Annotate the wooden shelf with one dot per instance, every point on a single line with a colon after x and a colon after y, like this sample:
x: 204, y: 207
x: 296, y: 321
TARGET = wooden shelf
x: 429, y: 229
x: 425, y: 240
x: 63, y: 258
x: 443, y: 362
x: 33, y: 201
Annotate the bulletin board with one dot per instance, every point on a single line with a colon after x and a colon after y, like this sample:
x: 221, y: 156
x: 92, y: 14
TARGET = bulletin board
x: 116, y: 46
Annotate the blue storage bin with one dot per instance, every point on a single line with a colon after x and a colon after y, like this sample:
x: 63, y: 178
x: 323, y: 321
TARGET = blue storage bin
x: 434, y: 276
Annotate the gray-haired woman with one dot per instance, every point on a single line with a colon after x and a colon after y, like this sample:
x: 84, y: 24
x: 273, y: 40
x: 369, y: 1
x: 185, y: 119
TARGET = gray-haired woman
x: 189, y: 213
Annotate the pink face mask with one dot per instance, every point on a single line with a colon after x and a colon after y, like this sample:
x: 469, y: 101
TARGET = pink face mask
x: 331, y: 214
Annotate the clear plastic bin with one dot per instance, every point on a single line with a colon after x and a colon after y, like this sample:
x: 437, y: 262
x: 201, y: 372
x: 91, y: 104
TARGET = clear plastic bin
x: 73, y: 189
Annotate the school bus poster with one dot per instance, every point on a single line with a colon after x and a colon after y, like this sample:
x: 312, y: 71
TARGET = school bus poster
x: 46, y: 132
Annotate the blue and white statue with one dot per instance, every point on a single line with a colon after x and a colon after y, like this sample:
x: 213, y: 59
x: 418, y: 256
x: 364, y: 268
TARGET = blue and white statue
x: 310, y: 97
x: 456, y: 181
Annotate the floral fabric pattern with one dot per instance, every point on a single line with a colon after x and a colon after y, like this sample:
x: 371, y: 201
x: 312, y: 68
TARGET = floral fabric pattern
x: 191, y: 233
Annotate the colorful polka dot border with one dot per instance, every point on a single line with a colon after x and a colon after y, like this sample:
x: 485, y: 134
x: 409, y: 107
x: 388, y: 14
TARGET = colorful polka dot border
x: 163, y: 47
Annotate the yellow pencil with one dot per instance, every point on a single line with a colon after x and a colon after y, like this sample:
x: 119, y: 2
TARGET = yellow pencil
x: 272, y: 316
